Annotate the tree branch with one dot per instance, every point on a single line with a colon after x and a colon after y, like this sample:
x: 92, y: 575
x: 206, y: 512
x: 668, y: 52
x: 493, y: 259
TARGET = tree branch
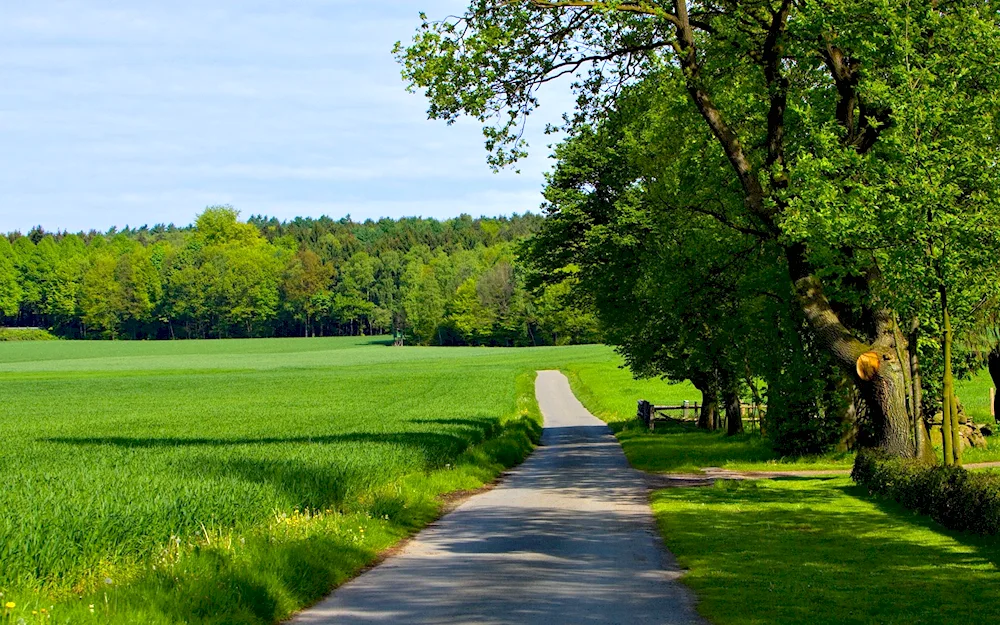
x: 730, y: 142
x: 630, y: 7
x: 777, y: 84
x: 863, y: 129
x: 725, y: 221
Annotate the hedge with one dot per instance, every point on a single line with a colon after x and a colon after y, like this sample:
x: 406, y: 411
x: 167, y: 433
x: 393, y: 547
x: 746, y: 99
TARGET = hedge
x: 26, y: 334
x: 952, y: 496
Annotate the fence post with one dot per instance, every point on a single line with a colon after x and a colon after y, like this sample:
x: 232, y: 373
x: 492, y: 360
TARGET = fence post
x: 684, y: 409
x: 993, y: 397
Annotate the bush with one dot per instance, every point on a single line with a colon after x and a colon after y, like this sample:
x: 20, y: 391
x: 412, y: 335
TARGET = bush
x: 25, y: 334
x: 805, y: 412
x: 952, y: 496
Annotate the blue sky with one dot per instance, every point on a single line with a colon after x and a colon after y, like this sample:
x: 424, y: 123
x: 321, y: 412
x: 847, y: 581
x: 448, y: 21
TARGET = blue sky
x: 133, y: 112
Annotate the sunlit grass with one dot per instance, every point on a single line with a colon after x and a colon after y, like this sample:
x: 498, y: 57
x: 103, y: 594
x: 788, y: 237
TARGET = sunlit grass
x: 819, y: 551
x: 236, y: 481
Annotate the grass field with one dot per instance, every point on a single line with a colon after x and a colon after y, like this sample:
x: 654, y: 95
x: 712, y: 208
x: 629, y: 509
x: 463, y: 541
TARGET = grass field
x: 236, y: 481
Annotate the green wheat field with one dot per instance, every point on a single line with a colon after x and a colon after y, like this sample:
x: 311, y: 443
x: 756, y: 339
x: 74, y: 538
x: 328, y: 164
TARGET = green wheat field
x: 179, y: 481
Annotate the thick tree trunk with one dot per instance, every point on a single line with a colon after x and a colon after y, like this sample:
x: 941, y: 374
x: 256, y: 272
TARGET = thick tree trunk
x: 885, y: 396
x: 734, y: 413
x: 709, y: 404
x: 874, y: 368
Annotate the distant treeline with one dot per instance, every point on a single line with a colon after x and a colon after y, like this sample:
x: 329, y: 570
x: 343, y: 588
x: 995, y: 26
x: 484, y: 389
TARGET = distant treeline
x: 453, y: 282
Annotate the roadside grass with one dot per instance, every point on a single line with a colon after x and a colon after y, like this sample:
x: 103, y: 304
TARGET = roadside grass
x: 610, y: 393
x: 820, y: 551
x: 238, y: 481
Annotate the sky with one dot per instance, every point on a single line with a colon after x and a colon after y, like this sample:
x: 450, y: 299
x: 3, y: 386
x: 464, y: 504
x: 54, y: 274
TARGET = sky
x: 116, y: 113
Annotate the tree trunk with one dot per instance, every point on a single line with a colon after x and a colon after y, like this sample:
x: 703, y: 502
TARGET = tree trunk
x: 874, y: 368
x: 949, y: 410
x: 924, y: 448
x: 734, y: 413
x: 709, y: 405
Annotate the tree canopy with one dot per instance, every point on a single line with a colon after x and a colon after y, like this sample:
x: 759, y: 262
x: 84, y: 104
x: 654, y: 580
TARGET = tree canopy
x: 852, y: 145
x: 450, y: 282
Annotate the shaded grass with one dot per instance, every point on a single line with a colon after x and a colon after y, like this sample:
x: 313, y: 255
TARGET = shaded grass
x: 818, y: 551
x: 611, y: 394
x: 237, y: 481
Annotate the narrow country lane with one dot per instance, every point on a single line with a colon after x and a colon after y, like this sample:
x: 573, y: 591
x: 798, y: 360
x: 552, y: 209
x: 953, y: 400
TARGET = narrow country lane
x: 568, y: 537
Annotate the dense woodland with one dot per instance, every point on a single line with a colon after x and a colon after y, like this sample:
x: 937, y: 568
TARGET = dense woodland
x: 454, y: 282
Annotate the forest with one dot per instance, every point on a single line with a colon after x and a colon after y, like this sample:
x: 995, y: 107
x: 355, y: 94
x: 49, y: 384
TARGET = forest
x: 453, y: 282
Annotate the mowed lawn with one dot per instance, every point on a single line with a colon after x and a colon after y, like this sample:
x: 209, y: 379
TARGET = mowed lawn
x: 820, y: 551
x: 236, y: 481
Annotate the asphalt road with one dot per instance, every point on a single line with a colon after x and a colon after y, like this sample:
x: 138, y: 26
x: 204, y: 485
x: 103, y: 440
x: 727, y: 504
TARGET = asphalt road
x: 568, y: 537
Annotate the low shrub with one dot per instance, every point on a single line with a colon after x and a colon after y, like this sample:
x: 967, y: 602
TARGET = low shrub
x: 26, y: 334
x: 952, y: 496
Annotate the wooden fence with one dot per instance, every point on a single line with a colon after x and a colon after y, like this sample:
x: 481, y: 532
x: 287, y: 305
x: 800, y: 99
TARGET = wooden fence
x: 688, y: 413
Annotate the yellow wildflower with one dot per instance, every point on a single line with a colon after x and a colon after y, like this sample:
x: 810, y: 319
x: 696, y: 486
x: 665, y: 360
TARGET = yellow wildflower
x: 10, y: 605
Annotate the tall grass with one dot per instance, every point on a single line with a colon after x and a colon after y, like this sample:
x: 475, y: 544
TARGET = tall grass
x: 237, y: 481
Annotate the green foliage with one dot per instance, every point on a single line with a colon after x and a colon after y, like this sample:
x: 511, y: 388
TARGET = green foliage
x: 684, y: 294
x: 827, y: 165
x: 818, y: 551
x: 808, y: 404
x: 218, y: 225
x: 451, y: 282
x: 10, y: 287
x: 163, y: 467
x: 954, y: 497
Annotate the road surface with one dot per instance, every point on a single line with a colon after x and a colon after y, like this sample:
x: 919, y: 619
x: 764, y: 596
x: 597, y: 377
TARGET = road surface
x: 567, y: 537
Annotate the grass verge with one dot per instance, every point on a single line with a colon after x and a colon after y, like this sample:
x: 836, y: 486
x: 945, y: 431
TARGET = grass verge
x: 611, y: 394
x: 818, y: 551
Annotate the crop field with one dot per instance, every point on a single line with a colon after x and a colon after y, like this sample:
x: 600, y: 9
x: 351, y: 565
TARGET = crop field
x: 236, y: 481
